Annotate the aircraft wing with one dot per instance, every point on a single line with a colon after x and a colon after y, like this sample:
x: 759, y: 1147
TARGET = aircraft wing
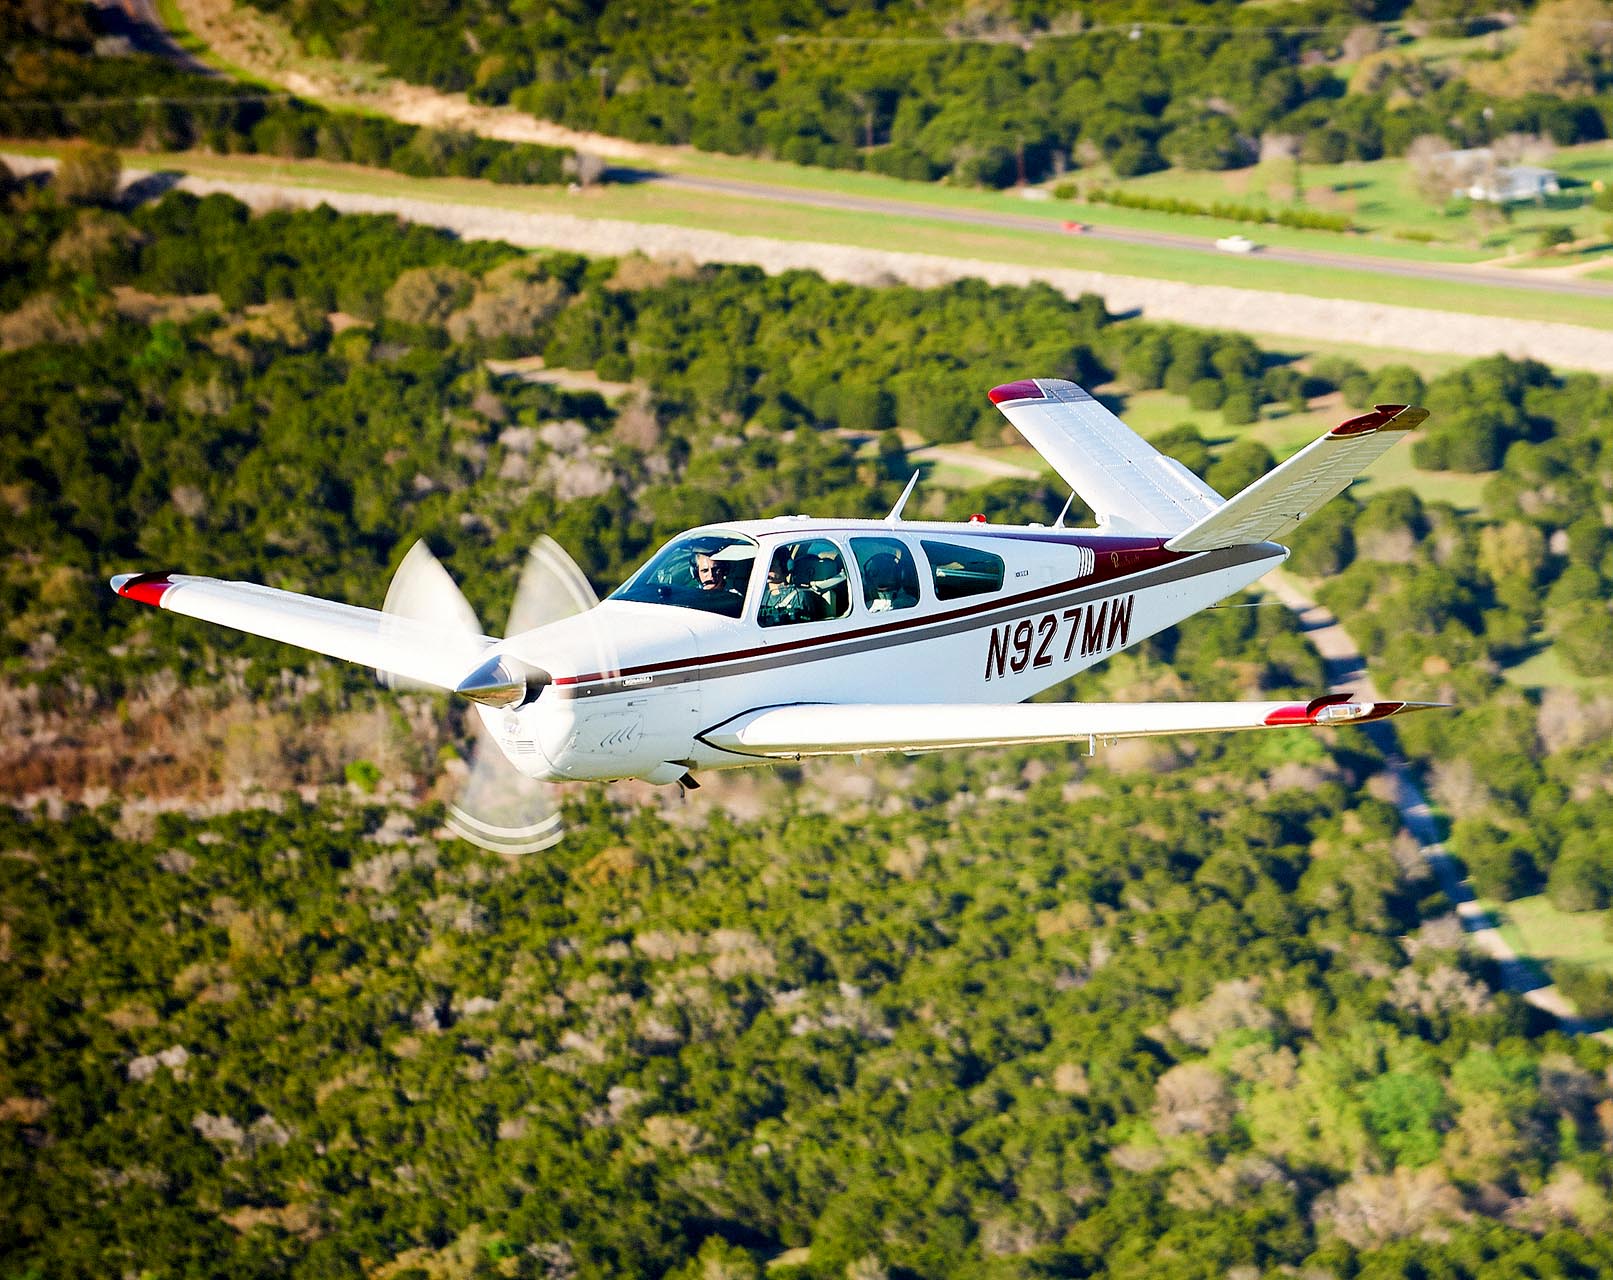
x: 1128, y: 483
x: 437, y: 656
x: 1287, y: 495
x: 818, y: 729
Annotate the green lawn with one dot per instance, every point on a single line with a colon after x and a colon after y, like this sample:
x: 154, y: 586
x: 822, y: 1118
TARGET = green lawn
x: 1546, y: 670
x: 1381, y: 198
x: 1533, y: 927
x: 1429, y: 364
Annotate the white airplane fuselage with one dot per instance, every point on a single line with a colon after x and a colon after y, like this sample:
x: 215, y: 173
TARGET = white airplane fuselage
x: 632, y: 685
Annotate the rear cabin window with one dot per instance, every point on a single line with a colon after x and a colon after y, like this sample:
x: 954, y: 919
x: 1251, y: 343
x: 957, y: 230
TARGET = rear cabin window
x: 890, y: 578
x: 962, y: 571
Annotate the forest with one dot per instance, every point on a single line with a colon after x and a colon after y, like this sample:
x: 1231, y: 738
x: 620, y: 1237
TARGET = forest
x: 60, y: 80
x: 1182, y: 1009
x: 996, y: 94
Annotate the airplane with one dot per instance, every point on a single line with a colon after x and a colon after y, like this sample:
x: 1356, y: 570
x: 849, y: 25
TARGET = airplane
x: 761, y: 641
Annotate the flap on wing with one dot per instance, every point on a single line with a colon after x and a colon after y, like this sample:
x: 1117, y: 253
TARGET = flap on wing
x: 1127, y: 482
x: 845, y: 728
x: 431, y: 655
x: 1286, y: 496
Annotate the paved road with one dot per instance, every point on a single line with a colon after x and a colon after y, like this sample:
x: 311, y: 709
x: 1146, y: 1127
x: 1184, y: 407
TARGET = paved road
x: 1346, y: 672
x: 1500, y: 277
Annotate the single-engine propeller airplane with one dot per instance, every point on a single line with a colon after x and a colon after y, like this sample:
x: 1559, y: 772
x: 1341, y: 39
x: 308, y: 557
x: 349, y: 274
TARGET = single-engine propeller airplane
x: 768, y: 640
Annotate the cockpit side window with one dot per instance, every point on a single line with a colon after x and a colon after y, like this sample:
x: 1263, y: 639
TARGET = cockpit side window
x: 806, y: 582
x: 962, y: 571
x: 710, y: 572
x: 890, y: 578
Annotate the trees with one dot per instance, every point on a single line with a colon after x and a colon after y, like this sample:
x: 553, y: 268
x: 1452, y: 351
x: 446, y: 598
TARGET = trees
x: 89, y: 174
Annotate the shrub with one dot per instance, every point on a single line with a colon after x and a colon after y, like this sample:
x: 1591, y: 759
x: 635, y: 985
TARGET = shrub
x: 1591, y: 990
x: 1206, y: 394
x: 1239, y: 410
x: 1579, y: 880
x: 1553, y: 237
x: 1497, y: 861
x: 1239, y: 467
x: 89, y: 174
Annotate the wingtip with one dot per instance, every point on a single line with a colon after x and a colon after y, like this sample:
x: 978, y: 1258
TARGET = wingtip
x: 1384, y: 417
x: 146, y: 588
x: 1024, y: 389
x: 1344, y: 708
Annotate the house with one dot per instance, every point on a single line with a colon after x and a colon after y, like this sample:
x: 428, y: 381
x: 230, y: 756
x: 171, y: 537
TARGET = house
x: 1477, y: 174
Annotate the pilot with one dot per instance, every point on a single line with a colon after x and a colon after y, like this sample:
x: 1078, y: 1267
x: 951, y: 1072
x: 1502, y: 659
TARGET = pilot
x: 711, y: 573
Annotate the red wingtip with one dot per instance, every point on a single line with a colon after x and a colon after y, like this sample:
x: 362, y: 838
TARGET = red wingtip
x: 1392, y: 417
x: 1367, y: 423
x: 1024, y: 389
x: 1305, y: 712
x: 147, y: 588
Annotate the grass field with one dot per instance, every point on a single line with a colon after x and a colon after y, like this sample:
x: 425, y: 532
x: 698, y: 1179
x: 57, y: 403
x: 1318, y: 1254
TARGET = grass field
x: 1533, y: 927
x: 1382, y: 199
x: 1053, y: 212
x: 1546, y: 670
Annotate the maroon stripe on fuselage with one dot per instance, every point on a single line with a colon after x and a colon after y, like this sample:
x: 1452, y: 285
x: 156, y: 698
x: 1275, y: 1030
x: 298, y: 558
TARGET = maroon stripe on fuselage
x: 1115, y: 562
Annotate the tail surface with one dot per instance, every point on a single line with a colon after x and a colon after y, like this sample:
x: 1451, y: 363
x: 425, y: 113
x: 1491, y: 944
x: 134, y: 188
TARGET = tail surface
x: 1134, y: 488
x: 1285, y: 497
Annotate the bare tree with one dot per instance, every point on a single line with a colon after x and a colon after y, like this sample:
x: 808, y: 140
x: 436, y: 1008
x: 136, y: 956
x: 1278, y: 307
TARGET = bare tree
x: 1428, y: 159
x: 1360, y: 41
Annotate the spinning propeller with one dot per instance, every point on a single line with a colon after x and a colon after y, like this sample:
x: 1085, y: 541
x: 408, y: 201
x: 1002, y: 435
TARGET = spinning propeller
x: 498, y: 808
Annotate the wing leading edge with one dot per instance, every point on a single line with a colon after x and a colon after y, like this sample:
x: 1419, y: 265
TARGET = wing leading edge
x: 817, y: 729
x: 438, y: 656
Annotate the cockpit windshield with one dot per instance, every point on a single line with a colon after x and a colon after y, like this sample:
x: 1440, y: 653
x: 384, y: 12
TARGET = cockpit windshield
x: 709, y: 571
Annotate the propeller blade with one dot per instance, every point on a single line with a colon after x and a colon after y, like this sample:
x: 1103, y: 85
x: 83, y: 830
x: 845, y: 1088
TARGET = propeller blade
x: 498, y: 808
x: 422, y: 591
x: 551, y: 587
x: 501, y: 810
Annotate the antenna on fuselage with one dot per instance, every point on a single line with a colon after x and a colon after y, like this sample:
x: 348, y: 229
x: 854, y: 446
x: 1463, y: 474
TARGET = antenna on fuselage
x: 896, y: 511
x: 1059, y: 523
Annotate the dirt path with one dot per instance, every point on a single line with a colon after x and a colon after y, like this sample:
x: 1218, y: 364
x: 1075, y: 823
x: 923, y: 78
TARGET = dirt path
x: 256, y: 43
x: 973, y: 460
x: 533, y: 369
x: 1346, y: 672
